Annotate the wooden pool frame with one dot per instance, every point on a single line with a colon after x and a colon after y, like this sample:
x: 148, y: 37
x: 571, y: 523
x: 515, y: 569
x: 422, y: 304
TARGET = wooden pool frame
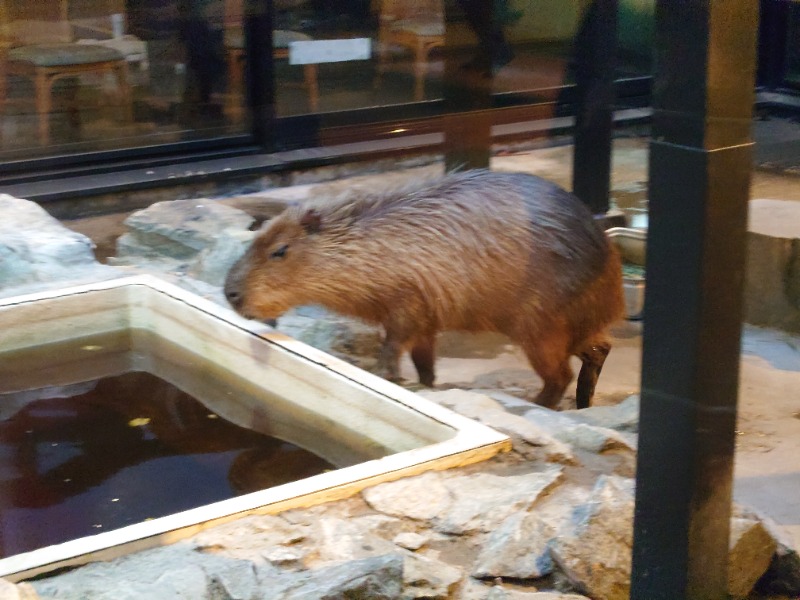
x: 419, y: 434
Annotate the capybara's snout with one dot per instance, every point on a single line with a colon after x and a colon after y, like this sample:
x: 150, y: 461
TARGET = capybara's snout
x: 234, y: 293
x: 234, y: 297
x: 234, y: 287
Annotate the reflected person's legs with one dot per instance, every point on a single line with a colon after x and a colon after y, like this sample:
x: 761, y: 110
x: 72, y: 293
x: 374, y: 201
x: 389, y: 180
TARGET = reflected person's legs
x: 494, y: 51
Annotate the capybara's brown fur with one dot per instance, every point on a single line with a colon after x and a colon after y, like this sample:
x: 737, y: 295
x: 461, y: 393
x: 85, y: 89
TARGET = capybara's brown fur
x: 475, y: 250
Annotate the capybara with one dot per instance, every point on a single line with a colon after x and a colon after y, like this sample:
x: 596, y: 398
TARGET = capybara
x: 474, y: 250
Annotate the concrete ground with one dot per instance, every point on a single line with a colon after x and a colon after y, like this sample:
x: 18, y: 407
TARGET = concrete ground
x: 767, y: 470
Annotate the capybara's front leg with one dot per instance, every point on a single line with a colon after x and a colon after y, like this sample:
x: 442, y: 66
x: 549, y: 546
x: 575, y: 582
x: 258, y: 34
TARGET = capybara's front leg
x: 592, y: 363
x: 399, y: 333
x: 388, y: 365
x: 423, y: 357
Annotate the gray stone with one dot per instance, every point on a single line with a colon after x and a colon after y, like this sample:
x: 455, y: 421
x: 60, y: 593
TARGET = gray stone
x: 595, y: 439
x: 336, y: 539
x: 595, y: 551
x: 528, y: 439
x: 772, y: 283
x: 421, y: 498
x: 36, y: 249
x: 519, y: 547
x: 376, y: 578
x: 249, y: 537
x: 620, y: 417
x: 285, y: 557
x: 465, y: 503
x: 563, y: 427
x: 483, y: 500
x: 474, y: 590
x: 751, y: 550
x: 214, y: 261
x: 185, y: 225
x: 425, y: 577
x: 173, y: 572
x: 174, y: 582
x: 512, y: 404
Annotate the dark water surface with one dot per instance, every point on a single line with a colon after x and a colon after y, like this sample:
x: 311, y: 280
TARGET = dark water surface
x: 88, y: 457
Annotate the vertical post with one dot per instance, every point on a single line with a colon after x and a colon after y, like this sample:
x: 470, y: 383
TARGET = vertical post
x: 700, y: 160
x: 467, y: 95
x: 772, y: 42
x: 594, y: 60
x: 260, y: 70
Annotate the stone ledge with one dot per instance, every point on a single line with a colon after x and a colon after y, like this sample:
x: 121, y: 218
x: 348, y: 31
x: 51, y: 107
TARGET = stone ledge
x: 772, y: 283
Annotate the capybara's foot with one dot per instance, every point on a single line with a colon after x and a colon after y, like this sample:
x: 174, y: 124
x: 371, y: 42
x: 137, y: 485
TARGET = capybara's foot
x: 592, y: 360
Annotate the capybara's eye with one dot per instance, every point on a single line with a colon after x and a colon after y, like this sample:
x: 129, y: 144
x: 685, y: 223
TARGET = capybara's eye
x: 280, y: 252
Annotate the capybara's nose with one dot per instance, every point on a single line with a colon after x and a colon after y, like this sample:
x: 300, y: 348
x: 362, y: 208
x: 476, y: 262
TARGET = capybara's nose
x: 234, y: 297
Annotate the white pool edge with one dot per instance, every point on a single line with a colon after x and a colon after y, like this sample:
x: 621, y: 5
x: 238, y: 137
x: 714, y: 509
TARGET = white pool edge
x: 472, y: 442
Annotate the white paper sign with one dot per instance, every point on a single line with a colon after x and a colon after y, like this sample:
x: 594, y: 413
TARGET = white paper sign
x: 323, y: 51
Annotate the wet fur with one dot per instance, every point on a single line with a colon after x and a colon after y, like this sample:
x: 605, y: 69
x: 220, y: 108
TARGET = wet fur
x: 474, y: 251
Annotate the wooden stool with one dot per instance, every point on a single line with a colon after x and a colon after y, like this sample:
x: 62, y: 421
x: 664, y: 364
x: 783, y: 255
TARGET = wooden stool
x: 45, y: 64
x: 234, y: 52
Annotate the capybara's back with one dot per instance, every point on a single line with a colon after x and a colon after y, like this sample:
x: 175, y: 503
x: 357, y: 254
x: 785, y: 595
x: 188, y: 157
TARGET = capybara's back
x: 475, y: 250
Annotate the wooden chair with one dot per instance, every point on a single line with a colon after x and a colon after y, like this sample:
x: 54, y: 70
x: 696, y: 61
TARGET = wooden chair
x: 235, y: 54
x: 417, y: 26
x: 37, y: 43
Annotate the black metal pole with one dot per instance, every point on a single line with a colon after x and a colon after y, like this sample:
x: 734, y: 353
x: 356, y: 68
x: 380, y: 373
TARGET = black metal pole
x: 700, y: 159
x: 772, y: 42
x: 594, y: 61
x: 259, y: 70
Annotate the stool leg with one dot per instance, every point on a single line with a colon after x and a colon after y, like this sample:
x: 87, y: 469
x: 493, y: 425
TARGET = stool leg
x: 44, y: 103
x: 233, y: 99
x: 420, y: 70
x: 124, y: 89
x: 3, y: 88
x: 312, y: 84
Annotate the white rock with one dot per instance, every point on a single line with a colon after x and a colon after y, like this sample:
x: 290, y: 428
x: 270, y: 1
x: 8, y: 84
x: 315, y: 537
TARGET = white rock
x: 459, y: 504
x: 376, y: 578
x: 620, y: 417
x: 36, y: 249
x: 595, y: 553
x: 529, y: 439
x: 424, y: 577
x: 23, y: 591
x: 410, y: 540
x: 423, y: 497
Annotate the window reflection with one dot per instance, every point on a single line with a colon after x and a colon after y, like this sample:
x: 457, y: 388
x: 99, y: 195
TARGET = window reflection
x: 85, y: 75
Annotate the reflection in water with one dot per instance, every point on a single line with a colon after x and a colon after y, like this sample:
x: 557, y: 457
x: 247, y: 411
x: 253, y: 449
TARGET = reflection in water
x: 83, y: 459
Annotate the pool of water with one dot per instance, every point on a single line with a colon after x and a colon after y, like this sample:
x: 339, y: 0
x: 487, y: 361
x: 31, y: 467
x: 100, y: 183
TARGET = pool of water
x: 96, y: 455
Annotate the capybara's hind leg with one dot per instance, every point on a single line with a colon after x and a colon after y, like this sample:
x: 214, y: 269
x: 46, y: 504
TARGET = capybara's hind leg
x: 551, y: 362
x: 423, y: 357
x: 592, y: 358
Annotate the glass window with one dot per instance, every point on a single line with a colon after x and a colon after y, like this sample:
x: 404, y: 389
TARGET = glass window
x: 93, y: 75
x: 103, y: 75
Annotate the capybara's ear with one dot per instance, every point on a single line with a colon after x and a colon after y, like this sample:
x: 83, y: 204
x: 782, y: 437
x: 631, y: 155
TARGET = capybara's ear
x: 311, y: 221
